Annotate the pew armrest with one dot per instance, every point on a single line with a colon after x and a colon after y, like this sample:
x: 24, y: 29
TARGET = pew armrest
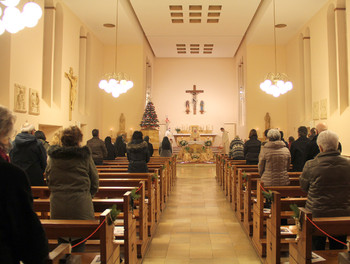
x: 58, y: 252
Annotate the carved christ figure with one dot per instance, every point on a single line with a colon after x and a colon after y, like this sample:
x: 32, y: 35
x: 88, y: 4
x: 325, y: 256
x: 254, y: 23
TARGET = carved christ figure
x: 73, y: 90
x: 194, y: 93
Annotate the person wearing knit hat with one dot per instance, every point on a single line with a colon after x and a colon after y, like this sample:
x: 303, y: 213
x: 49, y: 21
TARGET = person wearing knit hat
x: 29, y: 154
x: 27, y: 128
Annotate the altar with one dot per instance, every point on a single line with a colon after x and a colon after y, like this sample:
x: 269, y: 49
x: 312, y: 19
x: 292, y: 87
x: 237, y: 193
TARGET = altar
x: 187, y: 137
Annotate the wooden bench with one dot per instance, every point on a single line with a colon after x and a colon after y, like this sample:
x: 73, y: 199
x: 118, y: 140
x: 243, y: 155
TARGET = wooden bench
x: 250, y: 192
x: 128, y: 239
x: 109, y: 248
x: 300, y: 251
x: 259, y: 216
x: 152, y: 192
x: 104, y: 199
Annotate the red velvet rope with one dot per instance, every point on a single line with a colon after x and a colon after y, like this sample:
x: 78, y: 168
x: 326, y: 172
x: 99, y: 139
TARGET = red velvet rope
x: 90, y: 235
x: 325, y: 232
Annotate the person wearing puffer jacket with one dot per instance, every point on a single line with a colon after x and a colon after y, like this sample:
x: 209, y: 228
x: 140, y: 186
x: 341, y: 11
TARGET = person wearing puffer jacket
x: 326, y: 179
x: 274, y: 160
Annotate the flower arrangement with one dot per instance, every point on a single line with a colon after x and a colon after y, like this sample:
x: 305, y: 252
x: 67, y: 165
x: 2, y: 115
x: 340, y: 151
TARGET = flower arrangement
x: 183, y: 143
x: 177, y: 130
x: 195, y: 156
x: 208, y: 143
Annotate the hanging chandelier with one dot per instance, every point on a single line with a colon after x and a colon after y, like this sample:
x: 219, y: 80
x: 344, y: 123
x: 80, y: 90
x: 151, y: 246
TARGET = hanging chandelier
x: 116, y: 83
x: 276, y: 83
x: 13, y: 20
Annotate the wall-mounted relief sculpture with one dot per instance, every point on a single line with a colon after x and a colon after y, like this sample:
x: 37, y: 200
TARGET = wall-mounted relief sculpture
x: 20, y: 99
x: 34, y: 102
x: 316, y: 110
x: 323, y: 109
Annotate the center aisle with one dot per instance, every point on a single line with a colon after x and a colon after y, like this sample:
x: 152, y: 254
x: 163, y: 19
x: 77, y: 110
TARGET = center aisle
x: 198, y: 224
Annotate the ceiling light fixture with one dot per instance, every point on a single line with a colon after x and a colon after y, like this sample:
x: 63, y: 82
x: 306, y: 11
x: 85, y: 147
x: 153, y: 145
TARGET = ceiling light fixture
x: 116, y: 83
x: 276, y: 83
x: 13, y: 20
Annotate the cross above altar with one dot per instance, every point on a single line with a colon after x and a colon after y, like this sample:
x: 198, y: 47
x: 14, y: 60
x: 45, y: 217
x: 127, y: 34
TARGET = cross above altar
x: 194, y: 92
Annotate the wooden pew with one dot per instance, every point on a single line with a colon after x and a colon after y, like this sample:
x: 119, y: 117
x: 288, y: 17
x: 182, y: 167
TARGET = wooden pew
x: 109, y: 248
x: 152, y: 190
x: 58, y: 253
x: 259, y: 216
x: 249, y: 195
x: 162, y: 180
x: 300, y: 250
x: 104, y: 199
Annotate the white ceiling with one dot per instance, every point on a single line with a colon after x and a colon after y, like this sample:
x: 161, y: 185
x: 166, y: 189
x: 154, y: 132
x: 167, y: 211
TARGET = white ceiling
x: 163, y: 35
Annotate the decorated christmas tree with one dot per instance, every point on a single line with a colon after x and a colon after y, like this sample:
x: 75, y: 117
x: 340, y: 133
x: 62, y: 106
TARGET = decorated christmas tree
x: 149, y: 119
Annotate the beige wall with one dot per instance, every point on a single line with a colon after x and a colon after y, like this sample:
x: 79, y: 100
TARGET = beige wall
x: 22, y: 56
x: 172, y: 77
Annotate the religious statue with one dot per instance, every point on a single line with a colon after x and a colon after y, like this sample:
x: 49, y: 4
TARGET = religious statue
x: 167, y: 121
x: 121, y: 125
x: 20, y: 105
x: 34, y: 102
x: 201, y: 107
x: 72, y: 90
x: 267, y: 119
x: 187, y: 107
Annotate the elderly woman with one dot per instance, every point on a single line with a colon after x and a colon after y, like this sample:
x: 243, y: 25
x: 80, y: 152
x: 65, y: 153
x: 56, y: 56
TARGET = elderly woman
x: 274, y: 160
x: 72, y: 179
x: 22, y: 236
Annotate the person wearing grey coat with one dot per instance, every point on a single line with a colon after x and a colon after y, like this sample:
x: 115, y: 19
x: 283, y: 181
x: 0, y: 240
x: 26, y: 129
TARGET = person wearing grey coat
x: 274, y: 161
x: 326, y: 179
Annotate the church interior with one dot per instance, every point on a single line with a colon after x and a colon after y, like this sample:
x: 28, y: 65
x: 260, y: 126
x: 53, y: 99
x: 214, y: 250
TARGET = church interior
x: 201, y: 64
x: 240, y: 52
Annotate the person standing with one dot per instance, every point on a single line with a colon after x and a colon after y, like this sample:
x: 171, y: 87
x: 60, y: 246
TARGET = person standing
x: 298, y: 149
x: 274, y: 160
x: 110, y: 149
x: 73, y: 181
x: 42, y: 138
x: 252, y: 148
x: 29, y: 154
x: 150, y: 146
x: 165, y: 148
x: 326, y: 179
x: 237, y: 149
x: 137, y: 152
x: 225, y: 141
x: 22, y: 236
x: 97, y: 147
x: 120, y: 147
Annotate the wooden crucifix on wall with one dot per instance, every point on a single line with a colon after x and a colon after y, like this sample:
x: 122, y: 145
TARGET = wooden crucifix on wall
x: 194, y: 93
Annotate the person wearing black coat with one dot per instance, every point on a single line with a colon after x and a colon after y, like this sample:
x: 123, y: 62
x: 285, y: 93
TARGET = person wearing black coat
x: 22, y: 237
x: 298, y: 149
x: 150, y: 146
x: 252, y: 148
x: 137, y: 152
x: 29, y: 154
x: 120, y: 147
x: 111, y: 153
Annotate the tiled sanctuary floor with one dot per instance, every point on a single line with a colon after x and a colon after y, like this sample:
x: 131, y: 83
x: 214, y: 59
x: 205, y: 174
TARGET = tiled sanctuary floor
x: 198, y: 224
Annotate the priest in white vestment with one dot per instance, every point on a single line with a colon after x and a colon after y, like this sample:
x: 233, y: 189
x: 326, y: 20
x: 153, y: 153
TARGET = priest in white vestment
x: 225, y: 141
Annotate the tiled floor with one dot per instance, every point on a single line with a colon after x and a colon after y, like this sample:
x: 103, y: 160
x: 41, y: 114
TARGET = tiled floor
x: 198, y: 225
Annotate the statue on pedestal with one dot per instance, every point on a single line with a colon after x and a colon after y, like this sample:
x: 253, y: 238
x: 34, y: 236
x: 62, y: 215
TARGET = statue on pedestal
x: 121, y: 125
x: 267, y: 119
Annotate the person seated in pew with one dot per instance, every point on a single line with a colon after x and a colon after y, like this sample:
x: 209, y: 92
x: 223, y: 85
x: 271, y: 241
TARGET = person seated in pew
x: 73, y: 181
x: 252, y: 148
x: 326, y: 179
x: 274, y: 160
x: 137, y: 152
x: 22, y: 237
